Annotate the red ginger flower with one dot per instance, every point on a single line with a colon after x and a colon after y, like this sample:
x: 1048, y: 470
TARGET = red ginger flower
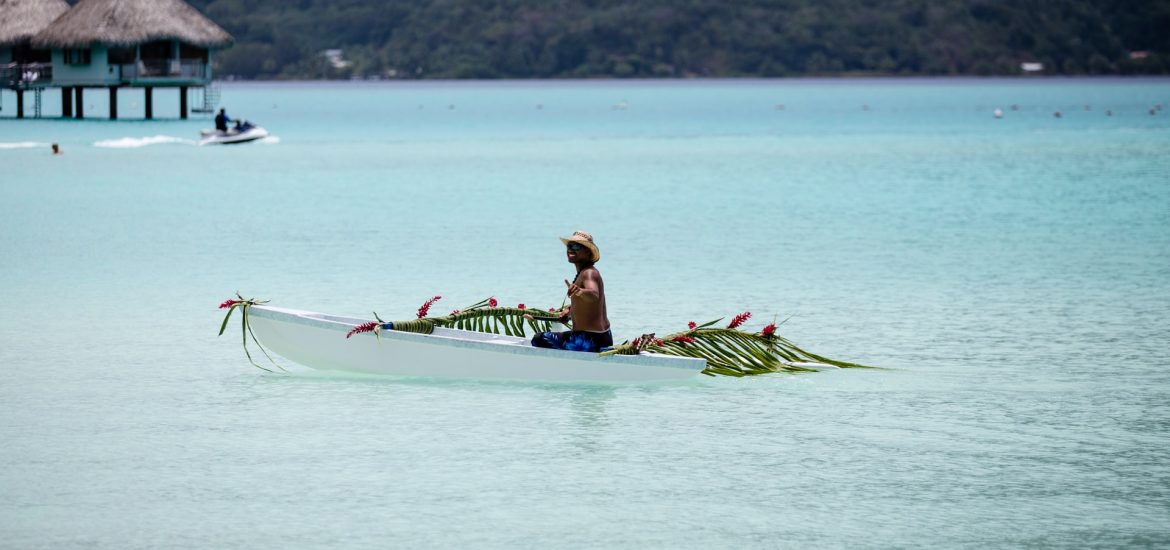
x: 683, y: 339
x: 521, y: 306
x: 229, y: 303
x: 364, y: 327
x: 492, y: 301
x: 768, y: 331
x: 740, y: 319
x: 552, y: 310
x: 691, y: 325
x: 644, y: 341
x: 422, y: 311
x: 455, y: 312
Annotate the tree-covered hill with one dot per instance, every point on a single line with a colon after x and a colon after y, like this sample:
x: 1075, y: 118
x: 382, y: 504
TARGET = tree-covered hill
x: 681, y: 38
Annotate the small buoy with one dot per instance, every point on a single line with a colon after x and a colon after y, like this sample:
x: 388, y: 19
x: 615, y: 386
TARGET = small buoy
x: 1088, y: 107
x: 1108, y: 112
x: 539, y: 105
x: 998, y: 113
x: 865, y: 107
x: 1015, y: 107
x: 1153, y: 111
x: 1057, y: 114
x: 451, y: 107
x: 779, y: 106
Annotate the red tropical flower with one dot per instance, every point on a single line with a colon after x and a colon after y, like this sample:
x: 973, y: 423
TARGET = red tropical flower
x: 740, y: 319
x: 229, y: 303
x: 492, y: 301
x: 552, y: 310
x: 364, y: 327
x: 691, y: 325
x: 422, y: 311
x: 659, y: 341
x: 768, y: 331
x: 683, y: 339
x: 455, y: 312
x: 521, y: 306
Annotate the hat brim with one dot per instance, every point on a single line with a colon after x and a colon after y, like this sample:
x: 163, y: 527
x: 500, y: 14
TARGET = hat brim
x: 592, y: 247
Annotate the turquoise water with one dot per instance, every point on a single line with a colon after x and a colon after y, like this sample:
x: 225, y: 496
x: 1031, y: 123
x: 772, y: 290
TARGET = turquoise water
x: 1012, y: 275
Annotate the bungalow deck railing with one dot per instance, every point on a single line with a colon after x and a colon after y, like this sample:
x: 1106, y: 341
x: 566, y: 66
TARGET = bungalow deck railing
x: 152, y: 69
x: 22, y: 76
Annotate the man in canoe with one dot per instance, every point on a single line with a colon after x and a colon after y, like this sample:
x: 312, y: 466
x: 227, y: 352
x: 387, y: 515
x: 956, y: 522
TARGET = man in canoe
x: 587, y: 302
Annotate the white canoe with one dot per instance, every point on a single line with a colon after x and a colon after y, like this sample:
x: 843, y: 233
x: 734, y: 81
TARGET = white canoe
x: 318, y: 341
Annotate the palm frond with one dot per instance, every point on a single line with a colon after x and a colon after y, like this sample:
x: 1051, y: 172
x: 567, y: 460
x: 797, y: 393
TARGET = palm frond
x: 727, y: 351
x: 246, y: 328
x: 483, y: 317
x: 731, y: 352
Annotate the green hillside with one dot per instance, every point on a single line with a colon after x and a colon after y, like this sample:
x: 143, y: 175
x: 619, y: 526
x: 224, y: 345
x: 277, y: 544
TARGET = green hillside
x: 685, y: 38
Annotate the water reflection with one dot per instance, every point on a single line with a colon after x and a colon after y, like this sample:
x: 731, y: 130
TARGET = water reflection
x: 588, y: 417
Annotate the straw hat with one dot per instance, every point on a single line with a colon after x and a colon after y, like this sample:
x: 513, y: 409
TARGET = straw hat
x: 584, y: 239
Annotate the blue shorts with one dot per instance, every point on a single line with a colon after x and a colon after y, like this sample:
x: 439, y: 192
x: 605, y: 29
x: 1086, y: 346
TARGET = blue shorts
x: 575, y: 340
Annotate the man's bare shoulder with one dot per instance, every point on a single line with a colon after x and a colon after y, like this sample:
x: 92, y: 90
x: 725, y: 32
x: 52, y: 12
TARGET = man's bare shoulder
x: 590, y: 273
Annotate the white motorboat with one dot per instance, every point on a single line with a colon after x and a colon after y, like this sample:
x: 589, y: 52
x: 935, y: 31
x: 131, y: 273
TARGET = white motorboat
x: 319, y: 341
x: 243, y: 133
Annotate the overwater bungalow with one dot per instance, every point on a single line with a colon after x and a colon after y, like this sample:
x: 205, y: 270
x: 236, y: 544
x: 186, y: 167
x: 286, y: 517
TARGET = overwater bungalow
x: 115, y: 44
x: 22, y: 67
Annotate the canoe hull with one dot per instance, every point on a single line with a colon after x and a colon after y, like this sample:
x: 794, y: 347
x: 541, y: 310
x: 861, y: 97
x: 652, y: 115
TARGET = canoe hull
x: 318, y: 341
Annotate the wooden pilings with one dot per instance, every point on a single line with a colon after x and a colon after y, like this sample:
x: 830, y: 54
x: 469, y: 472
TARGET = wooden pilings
x: 67, y: 102
x: 73, y: 101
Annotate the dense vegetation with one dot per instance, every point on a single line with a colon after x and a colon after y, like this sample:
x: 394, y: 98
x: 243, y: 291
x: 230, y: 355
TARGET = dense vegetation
x: 681, y: 38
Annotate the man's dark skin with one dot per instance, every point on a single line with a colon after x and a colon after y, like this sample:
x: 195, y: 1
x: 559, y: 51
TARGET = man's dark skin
x: 586, y: 292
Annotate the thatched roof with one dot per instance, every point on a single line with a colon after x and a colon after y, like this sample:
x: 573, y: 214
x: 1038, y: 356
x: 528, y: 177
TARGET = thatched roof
x: 130, y: 22
x: 21, y: 19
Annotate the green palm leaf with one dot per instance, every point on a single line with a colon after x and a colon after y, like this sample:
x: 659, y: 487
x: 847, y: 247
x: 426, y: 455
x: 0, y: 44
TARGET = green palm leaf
x: 728, y: 351
x: 481, y: 317
x: 733, y: 352
x: 246, y: 328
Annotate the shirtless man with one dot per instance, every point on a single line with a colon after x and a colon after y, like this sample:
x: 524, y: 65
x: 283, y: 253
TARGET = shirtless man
x: 587, y: 294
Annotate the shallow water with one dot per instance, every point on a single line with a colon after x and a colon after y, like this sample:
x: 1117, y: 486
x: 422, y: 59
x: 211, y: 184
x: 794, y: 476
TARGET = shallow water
x: 1011, y: 275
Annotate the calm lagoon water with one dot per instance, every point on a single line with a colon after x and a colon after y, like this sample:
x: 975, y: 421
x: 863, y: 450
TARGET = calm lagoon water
x: 1011, y: 275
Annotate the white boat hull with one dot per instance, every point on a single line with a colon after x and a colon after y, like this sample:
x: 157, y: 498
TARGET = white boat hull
x: 318, y: 341
x: 214, y: 137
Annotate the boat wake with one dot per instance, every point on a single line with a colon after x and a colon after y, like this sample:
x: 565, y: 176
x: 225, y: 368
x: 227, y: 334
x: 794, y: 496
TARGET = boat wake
x: 135, y: 142
x: 270, y: 140
x: 22, y: 145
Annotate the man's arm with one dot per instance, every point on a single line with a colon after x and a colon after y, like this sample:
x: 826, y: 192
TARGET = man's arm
x: 588, y: 290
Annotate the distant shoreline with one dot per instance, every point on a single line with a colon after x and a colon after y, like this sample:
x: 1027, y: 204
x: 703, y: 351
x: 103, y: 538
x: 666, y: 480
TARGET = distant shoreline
x: 511, y: 82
